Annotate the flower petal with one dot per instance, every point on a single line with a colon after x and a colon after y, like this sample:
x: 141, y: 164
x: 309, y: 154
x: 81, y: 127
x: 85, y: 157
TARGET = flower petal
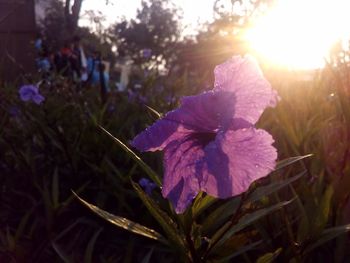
x: 26, y: 96
x: 236, y: 159
x: 197, y: 114
x: 27, y: 92
x: 182, y: 160
x: 253, y: 93
x: 157, y: 136
x: 38, y: 99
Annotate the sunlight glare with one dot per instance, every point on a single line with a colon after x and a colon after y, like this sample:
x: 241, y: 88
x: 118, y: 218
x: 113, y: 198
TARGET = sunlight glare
x: 298, y: 34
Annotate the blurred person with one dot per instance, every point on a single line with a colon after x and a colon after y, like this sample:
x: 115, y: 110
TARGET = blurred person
x: 79, y: 61
x: 92, y: 67
x: 38, y: 43
x: 44, y: 63
x: 62, y: 60
x: 103, y: 77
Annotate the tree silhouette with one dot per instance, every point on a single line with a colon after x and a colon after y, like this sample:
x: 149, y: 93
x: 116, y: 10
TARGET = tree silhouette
x: 71, y: 13
x: 155, y: 29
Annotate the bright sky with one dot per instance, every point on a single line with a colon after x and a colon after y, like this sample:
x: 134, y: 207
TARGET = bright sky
x: 299, y: 33
x: 295, y: 33
x: 193, y: 10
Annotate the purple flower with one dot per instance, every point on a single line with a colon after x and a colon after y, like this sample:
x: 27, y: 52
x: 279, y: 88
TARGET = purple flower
x: 43, y: 64
x: 14, y: 111
x: 38, y: 44
x: 111, y: 108
x: 134, y: 96
x: 146, y: 53
x: 147, y: 185
x: 210, y: 143
x: 31, y: 93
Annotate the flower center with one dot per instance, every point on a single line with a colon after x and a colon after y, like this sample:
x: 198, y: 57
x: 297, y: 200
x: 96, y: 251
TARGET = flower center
x: 206, y: 138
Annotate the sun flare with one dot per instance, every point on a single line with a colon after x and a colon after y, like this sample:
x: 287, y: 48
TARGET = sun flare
x: 298, y: 34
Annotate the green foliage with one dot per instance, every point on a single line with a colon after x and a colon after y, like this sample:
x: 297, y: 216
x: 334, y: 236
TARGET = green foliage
x: 124, y: 223
x: 299, y: 213
x: 293, y: 215
x: 155, y: 27
x: 250, y: 226
x: 56, y: 31
x: 51, y: 149
x: 269, y: 257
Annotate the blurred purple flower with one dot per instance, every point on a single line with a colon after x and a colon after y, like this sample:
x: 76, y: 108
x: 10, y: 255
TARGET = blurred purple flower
x: 159, y: 89
x: 38, y: 44
x: 43, y: 64
x: 210, y: 143
x: 31, y: 93
x: 170, y: 99
x: 111, y: 108
x: 142, y: 99
x: 147, y: 185
x: 134, y: 96
x: 14, y: 111
x: 147, y: 53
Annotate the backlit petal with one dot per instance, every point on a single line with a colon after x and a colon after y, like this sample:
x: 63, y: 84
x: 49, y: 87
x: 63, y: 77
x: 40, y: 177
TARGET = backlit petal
x: 197, y: 114
x: 253, y: 93
x: 236, y: 159
x: 182, y: 159
x: 38, y: 99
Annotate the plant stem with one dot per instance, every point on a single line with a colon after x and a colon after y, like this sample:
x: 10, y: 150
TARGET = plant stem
x: 233, y: 220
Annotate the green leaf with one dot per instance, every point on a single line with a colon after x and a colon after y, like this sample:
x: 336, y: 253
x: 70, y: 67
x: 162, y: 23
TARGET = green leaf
x: 69, y: 228
x: 324, y: 208
x: 228, y: 230
x: 201, y: 203
x: 240, y: 251
x: 124, y: 222
x: 10, y: 240
x: 156, y: 113
x: 147, y: 258
x: 260, y: 192
x: 61, y: 253
x: 70, y: 199
x: 55, y: 189
x: 291, y: 160
x: 269, y: 257
x: 22, y: 224
x: 90, y: 247
x: 328, y: 235
x: 220, y: 215
x: 168, y: 225
x: 133, y: 155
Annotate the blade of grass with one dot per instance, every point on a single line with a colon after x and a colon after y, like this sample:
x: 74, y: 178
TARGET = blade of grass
x: 90, y: 247
x: 133, y: 155
x: 168, y: 225
x: 124, y: 222
x: 291, y: 160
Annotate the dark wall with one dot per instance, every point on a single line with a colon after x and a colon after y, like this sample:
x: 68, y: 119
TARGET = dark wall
x: 17, y: 34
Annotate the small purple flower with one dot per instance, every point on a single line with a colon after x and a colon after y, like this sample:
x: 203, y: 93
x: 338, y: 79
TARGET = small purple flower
x: 134, y: 96
x: 147, y: 53
x: 131, y: 95
x: 159, y: 89
x: 210, y: 143
x: 142, y: 99
x: 43, y: 64
x: 147, y: 185
x: 111, y: 108
x: 14, y: 111
x: 38, y: 44
x: 31, y: 93
x: 170, y: 99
